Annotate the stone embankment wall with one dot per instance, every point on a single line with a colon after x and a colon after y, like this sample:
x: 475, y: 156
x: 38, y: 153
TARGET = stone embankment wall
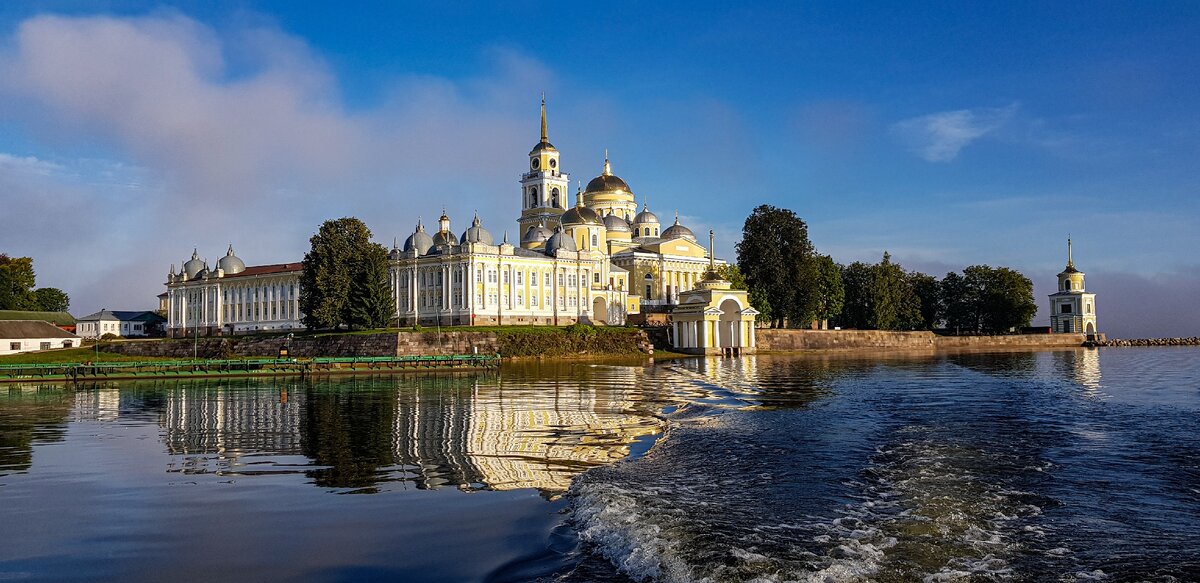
x: 550, y: 342
x: 1191, y: 341
x: 769, y: 340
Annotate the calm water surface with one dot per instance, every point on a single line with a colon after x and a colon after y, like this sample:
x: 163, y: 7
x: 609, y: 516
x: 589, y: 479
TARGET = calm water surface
x: 1072, y: 465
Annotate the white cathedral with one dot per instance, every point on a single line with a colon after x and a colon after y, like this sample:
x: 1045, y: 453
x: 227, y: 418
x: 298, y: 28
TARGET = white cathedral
x: 599, y: 261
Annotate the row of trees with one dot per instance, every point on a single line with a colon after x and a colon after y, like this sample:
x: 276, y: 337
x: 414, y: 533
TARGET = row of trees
x: 789, y: 282
x: 17, y: 291
x: 345, y: 279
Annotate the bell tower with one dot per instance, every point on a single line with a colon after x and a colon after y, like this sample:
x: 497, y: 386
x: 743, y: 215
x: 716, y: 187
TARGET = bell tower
x: 543, y: 185
x: 1072, y: 308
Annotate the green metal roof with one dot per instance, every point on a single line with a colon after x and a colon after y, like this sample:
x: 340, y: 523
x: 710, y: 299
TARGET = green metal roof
x: 56, y: 318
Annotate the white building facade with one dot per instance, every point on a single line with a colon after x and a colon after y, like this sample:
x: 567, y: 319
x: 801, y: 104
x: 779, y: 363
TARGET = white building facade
x: 1072, y: 308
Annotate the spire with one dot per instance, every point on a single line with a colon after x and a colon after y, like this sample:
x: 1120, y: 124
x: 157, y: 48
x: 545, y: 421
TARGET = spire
x: 506, y: 236
x: 1070, y: 259
x: 545, y: 136
x: 712, y: 253
x: 420, y: 227
x: 578, y: 193
x: 676, y: 216
x: 195, y: 253
x: 607, y: 166
x: 229, y: 253
x: 475, y: 221
x: 394, y: 240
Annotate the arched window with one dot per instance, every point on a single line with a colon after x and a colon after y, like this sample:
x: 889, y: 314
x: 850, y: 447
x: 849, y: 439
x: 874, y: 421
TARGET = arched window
x: 533, y: 201
x: 554, y: 197
x: 595, y: 240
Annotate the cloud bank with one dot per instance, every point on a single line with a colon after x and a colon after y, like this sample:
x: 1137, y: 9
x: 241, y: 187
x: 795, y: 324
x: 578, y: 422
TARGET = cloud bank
x: 238, y: 137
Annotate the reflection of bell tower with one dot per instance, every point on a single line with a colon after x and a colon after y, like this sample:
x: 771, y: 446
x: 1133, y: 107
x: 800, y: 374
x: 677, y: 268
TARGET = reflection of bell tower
x: 544, y: 185
x: 1072, y: 309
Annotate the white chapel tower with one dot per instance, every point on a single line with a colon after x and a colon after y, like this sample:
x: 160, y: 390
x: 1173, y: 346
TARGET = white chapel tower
x: 1071, y: 308
x: 543, y: 185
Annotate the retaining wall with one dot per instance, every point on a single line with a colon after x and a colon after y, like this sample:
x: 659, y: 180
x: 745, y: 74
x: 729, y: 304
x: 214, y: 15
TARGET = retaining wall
x: 768, y: 340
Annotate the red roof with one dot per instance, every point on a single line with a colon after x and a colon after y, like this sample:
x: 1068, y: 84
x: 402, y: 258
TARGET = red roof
x: 268, y: 269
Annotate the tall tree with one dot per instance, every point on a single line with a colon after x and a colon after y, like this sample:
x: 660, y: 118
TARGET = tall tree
x: 330, y: 268
x: 775, y: 254
x: 370, y: 303
x: 957, y: 305
x: 856, y: 307
x: 894, y: 305
x: 928, y: 290
x: 831, y: 294
x: 51, y: 299
x: 1008, y: 301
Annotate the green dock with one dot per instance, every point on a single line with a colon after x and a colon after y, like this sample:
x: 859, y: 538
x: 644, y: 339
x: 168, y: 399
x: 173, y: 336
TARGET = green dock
x: 75, y: 371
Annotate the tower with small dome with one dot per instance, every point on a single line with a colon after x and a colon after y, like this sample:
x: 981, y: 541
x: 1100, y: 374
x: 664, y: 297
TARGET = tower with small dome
x: 1072, y: 307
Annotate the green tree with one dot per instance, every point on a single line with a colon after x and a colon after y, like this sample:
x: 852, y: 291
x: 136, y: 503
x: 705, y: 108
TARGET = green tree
x: 330, y: 269
x: 16, y: 283
x: 1007, y: 301
x: 893, y: 303
x: 775, y: 254
x: 51, y: 299
x: 987, y: 299
x: 370, y: 302
x: 928, y: 291
x: 830, y: 293
x: 856, y: 284
x: 957, y: 304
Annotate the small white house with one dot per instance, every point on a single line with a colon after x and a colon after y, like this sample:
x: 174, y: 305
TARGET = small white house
x: 33, y: 335
x: 120, y: 323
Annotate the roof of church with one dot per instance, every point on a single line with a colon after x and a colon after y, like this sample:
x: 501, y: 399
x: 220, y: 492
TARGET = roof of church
x: 268, y: 269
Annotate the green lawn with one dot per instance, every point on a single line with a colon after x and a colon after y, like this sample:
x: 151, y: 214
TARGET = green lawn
x: 69, y: 355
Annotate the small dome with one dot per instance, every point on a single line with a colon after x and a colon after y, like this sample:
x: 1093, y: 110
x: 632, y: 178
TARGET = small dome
x: 560, y: 240
x: 419, y: 241
x: 581, y: 215
x: 542, y: 147
x: 477, y: 234
x: 616, y: 223
x: 537, y: 234
x: 230, y: 263
x: 678, y: 231
x: 193, y: 266
x: 645, y: 216
x: 204, y: 272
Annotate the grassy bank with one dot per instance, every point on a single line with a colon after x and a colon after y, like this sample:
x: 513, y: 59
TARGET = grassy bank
x: 551, y: 341
x: 69, y: 355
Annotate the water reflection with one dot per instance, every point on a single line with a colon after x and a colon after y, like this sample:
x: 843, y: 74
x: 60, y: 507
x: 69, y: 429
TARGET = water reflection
x: 357, y: 434
x: 30, y: 415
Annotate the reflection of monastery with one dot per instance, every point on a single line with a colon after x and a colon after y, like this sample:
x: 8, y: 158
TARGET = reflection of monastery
x: 455, y: 431
x: 597, y: 260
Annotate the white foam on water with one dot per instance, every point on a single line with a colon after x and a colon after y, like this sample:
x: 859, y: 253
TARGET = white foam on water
x: 613, y: 520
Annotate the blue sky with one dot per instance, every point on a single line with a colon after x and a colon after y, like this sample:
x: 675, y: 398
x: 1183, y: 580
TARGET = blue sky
x: 948, y: 134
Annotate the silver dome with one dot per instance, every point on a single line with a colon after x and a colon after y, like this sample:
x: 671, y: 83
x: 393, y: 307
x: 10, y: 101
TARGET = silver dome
x: 419, y: 241
x: 193, y: 266
x: 616, y: 223
x: 560, y: 240
x: 537, y: 234
x: 477, y: 234
x: 645, y: 216
x: 230, y: 263
x: 678, y: 231
x: 444, y: 239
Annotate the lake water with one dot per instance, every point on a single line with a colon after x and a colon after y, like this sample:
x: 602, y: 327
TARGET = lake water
x: 1072, y: 465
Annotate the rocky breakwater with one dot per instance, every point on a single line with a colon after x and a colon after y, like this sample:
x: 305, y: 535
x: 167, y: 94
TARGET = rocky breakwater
x: 1189, y: 341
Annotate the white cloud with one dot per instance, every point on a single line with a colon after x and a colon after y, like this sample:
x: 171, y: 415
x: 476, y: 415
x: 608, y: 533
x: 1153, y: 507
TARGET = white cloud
x: 939, y: 137
x: 241, y: 136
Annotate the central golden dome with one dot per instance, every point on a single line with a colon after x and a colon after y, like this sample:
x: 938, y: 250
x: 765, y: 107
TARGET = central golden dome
x: 607, y: 181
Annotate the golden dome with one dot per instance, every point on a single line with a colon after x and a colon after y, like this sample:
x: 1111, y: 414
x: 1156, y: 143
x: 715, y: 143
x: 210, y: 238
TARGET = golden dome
x: 607, y: 181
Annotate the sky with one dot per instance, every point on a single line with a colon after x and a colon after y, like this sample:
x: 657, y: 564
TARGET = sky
x: 948, y: 134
